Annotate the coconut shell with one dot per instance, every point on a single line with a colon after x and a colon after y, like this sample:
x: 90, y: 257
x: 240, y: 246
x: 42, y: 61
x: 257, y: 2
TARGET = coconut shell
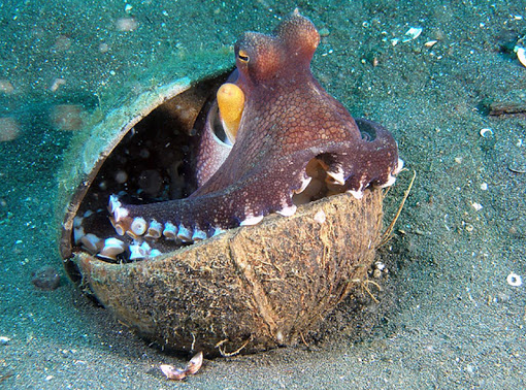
x: 246, y: 290
x: 251, y: 288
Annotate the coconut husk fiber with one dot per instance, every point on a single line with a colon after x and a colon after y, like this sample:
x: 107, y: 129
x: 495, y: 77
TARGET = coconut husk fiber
x: 251, y: 288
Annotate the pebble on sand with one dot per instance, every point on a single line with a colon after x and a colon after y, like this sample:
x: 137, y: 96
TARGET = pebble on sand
x: 9, y: 129
x: 45, y: 278
x: 67, y: 117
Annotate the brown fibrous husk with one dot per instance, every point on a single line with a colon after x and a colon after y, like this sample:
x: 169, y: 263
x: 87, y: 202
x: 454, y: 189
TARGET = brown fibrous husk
x: 248, y: 289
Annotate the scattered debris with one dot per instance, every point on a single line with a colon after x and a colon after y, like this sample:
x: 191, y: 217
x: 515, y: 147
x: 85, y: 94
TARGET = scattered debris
x: 516, y: 168
x: 45, y: 278
x: 68, y: 117
x: 9, y: 129
x: 126, y: 24
x: 412, y: 33
x: 485, y: 132
x: 476, y: 206
x: 514, y: 280
x: 6, y: 87
x: 431, y: 43
x: 507, y: 108
x: 324, y: 32
x: 179, y: 374
x: 521, y: 54
x: 57, y: 83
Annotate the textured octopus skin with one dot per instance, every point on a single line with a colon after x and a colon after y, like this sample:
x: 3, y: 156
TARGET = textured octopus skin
x: 288, y: 119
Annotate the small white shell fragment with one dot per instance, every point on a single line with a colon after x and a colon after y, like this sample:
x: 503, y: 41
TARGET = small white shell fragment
x: 173, y: 373
x: 412, y: 33
x: 486, y: 132
x: 521, y: 54
x: 514, y: 280
x: 484, y: 186
x: 476, y: 206
x: 4, y: 340
x: 179, y: 374
x: 431, y: 43
x: 194, y: 364
x: 379, y: 265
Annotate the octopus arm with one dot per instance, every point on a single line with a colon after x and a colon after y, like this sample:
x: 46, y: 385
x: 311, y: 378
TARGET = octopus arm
x: 263, y: 190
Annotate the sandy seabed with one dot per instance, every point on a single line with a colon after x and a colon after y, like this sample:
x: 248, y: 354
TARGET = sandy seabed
x: 452, y: 319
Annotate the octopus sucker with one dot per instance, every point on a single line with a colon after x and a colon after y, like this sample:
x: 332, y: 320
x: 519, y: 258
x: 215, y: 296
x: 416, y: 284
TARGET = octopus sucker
x: 251, y: 220
x: 138, y: 226
x: 155, y: 230
x: 112, y: 248
x: 287, y: 210
x: 170, y: 231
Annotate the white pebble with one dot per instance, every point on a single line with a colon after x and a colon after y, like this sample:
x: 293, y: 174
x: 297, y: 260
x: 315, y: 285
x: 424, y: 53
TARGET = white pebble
x: 4, y: 340
x: 521, y: 54
x: 514, y: 280
x: 486, y: 132
x: 476, y: 206
x: 484, y: 186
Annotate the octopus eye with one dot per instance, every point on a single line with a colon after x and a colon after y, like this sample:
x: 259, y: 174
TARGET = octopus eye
x: 243, y: 56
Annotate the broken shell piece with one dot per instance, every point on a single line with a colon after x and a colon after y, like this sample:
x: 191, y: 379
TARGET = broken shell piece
x: 486, y: 132
x: 521, y: 54
x: 431, y: 43
x: 195, y: 364
x: 178, y: 374
x: 172, y: 373
x: 128, y: 136
x: 412, y: 33
x: 514, y: 280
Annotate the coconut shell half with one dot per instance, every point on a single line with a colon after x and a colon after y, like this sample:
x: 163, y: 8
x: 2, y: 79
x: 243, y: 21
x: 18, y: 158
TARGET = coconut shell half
x: 246, y: 290
x: 251, y: 288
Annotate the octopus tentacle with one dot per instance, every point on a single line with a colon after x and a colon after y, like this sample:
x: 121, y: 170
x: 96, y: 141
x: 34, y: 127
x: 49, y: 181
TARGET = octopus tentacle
x: 194, y: 218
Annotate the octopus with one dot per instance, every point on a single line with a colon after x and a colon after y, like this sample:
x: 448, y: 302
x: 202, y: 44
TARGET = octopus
x: 273, y: 139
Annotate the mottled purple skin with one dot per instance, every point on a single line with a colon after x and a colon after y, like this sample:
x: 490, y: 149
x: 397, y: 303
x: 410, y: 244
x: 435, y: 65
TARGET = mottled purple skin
x: 288, y: 119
